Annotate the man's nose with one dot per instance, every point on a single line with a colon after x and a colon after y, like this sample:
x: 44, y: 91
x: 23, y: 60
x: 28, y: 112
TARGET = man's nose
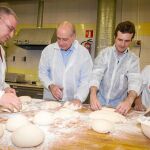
x: 60, y: 41
x: 123, y: 43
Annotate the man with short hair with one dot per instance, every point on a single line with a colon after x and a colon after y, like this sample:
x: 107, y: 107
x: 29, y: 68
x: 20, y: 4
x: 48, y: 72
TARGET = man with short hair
x: 8, y: 23
x: 116, y: 78
x: 65, y: 67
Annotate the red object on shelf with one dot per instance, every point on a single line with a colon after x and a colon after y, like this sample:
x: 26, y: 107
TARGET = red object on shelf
x: 89, y: 33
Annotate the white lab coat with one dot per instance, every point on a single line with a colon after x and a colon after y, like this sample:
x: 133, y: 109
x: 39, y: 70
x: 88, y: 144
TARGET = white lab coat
x: 146, y: 86
x: 114, y: 76
x: 73, y: 78
x: 3, y: 84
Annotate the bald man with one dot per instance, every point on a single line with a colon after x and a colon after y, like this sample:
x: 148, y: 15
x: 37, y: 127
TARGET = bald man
x: 65, y: 67
x: 8, y: 23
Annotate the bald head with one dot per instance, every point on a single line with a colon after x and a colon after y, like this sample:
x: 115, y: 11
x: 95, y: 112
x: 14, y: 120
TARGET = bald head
x: 65, y: 35
x: 67, y: 26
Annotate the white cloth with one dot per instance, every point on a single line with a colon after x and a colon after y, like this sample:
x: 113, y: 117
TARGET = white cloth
x: 1, y: 93
x: 3, y: 84
x: 146, y: 86
x: 73, y: 78
x: 114, y: 76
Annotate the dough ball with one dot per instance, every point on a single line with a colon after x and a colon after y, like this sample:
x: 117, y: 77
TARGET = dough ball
x: 108, y: 115
x: 43, y: 118
x: 65, y: 113
x: 50, y: 105
x: 27, y: 136
x: 71, y: 106
x: 108, y: 109
x: 16, y: 121
x: 25, y: 99
x: 1, y: 130
x: 102, y: 126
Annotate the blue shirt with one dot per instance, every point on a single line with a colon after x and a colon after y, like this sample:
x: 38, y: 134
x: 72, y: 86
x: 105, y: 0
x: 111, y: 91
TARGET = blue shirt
x: 66, y: 54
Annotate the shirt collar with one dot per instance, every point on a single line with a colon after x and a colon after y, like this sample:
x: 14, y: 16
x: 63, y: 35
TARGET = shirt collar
x: 69, y: 49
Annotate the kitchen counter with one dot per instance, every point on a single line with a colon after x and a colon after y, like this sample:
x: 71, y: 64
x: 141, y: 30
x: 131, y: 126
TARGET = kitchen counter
x: 77, y: 134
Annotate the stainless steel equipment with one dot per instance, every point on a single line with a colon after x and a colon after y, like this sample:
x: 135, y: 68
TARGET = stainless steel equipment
x: 15, y: 77
x: 36, y: 38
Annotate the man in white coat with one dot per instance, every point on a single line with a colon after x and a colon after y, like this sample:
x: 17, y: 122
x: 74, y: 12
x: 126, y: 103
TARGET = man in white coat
x: 116, y: 77
x: 65, y: 67
x: 8, y: 22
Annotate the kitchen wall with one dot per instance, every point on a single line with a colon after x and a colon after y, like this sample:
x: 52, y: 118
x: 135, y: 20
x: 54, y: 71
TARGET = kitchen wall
x: 81, y: 12
x: 137, y: 11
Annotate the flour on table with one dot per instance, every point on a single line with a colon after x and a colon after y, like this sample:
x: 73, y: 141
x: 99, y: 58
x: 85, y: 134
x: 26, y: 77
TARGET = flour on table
x: 65, y: 113
x: 70, y: 105
x: 107, y: 115
x: 1, y: 130
x: 43, y: 118
x: 27, y: 136
x: 102, y: 126
x: 50, y: 105
x: 16, y: 121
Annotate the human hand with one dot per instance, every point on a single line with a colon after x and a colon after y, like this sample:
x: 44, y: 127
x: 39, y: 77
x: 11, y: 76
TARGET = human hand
x: 123, y: 107
x: 10, y: 90
x: 56, y: 91
x: 76, y: 102
x: 94, y: 102
x: 10, y: 101
x: 138, y: 104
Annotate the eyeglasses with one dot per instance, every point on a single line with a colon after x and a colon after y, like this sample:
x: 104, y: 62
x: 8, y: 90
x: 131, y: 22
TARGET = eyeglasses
x: 10, y: 27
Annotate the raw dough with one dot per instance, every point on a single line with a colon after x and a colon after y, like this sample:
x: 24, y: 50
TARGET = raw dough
x: 65, y: 113
x: 108, y: 114
x: 16, y: 121
x: 102, y: 126
x: 43, y: 118
x: 1, y: 130
x: 70, y: 105
x: 108, y: 109
x: 27, y: 136
x: 50, y: 105
x: 25, y: 99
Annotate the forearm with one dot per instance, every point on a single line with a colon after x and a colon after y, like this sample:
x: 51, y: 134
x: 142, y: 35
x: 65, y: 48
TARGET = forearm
x: 132, y: 95
x: 93, y: 91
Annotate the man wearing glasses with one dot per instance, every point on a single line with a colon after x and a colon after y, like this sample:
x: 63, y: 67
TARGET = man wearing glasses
x: 8, y: 23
